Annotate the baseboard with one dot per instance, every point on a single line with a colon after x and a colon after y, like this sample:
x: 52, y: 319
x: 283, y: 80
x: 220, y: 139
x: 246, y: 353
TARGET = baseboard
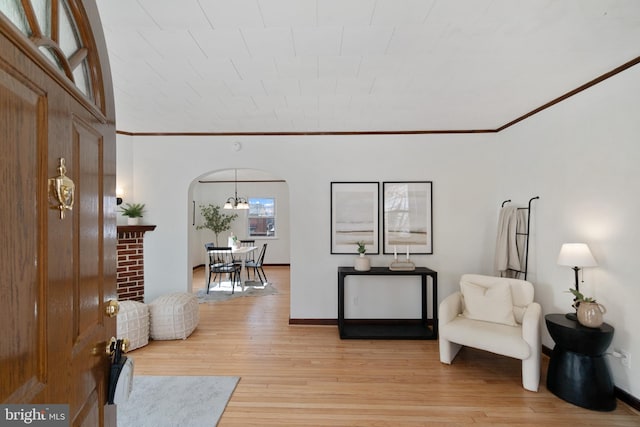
x: 334, y: 322
x: 620, y: 394
x: 314, y: 322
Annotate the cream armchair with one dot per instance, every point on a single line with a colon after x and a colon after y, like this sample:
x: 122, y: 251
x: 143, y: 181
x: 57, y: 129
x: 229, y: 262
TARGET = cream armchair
x: 494, y: 314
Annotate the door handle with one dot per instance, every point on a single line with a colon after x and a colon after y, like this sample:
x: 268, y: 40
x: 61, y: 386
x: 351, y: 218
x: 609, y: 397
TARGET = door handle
x: 112, y: 308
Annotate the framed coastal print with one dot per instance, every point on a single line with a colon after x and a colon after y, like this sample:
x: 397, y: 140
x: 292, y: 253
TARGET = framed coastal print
x: 355, y: 212
x: 407, y: 220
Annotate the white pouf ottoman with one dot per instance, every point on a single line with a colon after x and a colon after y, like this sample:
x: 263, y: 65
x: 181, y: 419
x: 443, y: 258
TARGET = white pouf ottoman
x: 173, y: 316
x: 133, y: 323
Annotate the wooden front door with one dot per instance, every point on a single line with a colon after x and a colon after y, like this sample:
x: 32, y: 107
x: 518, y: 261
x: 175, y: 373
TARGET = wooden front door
x: 56, y: 274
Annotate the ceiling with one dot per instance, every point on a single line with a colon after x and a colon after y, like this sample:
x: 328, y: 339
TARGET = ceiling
x: 316, y: 66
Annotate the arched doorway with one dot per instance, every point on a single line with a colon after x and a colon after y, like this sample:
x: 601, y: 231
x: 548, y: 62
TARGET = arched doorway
x: 215, y: 187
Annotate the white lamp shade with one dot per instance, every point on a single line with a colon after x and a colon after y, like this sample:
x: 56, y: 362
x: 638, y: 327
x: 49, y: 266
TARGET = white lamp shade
x: 576, y: 255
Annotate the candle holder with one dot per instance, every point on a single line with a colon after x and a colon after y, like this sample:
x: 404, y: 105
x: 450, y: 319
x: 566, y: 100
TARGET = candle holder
x: 407, y: 265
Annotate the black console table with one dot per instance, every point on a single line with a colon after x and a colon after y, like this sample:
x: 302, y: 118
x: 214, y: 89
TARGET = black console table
x: 578, y: 371
x: 417, y: 329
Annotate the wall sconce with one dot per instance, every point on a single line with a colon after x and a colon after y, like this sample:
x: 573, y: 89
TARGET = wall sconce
x: 119, y: 194
x: 576, y: 255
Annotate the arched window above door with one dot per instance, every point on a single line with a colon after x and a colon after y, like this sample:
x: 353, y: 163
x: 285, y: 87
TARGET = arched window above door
x: 52, y: 26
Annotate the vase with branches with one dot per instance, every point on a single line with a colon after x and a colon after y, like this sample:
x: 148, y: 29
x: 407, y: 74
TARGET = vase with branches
x: 215, y: 220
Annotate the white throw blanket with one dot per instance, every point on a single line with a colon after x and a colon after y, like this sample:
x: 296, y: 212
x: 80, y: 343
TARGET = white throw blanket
x: 509, y: 254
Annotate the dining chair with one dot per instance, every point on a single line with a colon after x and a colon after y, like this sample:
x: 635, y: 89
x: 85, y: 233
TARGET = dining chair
x: 257, y: 266
x: 248, y: 256
x: 247, y: 242
x: 221, y: 264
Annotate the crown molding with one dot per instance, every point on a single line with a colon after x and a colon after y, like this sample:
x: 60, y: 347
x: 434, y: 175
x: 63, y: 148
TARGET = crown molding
x: 517, y: 120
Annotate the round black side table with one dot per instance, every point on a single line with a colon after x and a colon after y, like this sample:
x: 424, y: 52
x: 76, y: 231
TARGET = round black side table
x: 578, y: 370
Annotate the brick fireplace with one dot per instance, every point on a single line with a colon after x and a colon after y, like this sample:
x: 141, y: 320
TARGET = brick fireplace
x: 130, y: 277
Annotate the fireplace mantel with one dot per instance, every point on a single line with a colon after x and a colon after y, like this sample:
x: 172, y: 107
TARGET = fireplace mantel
x: 135, y: 228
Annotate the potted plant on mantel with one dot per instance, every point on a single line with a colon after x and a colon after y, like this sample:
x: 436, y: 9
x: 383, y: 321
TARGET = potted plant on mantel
x: 589, y: 312
x: 133, y: 212
x: 362, y: 262
x: 215, y: 221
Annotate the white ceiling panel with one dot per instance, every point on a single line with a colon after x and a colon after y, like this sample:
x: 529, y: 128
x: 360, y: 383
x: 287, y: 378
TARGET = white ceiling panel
x: 355, y: 65
x: 269, y: 42
x: 414, y: 40
x: 298, y: 67
x: 113, y: 17
x: 287, y: 113
x: 234, y: 105
x: 345, y: 13
x: 305, y: 103
x: 384, y: 66
x: 171, y: 72
x: 288, y: 13
x: 317, y: 41
x: 263, y: 67
x: 335, y: 106
x: 172, y: 43
x: 232, y: 14
x: 131, y: 44
x: 317, y: 87
x: 270, y: 103
x: 354, y: 86
x: 365, y: 41
x: 401, y: 12
x: 339, y: 66
x: 222, y: 43
x: 214, y: 69
x: 171, y: 15
x: 246, y: 87
x: 281, y: 87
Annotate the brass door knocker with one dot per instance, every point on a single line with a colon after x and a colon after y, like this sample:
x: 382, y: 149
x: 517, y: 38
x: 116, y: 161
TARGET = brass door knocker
x: 61, y: 190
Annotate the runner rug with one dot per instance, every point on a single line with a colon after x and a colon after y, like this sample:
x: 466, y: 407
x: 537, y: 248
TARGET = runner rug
x: 157, y: 401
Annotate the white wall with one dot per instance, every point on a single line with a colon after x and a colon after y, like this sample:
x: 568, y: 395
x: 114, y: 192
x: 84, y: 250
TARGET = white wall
x: 124, y: 174
x: 461, y: 167
x: 580, y: 157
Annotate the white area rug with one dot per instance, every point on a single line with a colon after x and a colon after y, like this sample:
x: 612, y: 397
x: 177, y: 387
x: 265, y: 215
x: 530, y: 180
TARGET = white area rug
x: 157, y: 401
x: 223, y: 291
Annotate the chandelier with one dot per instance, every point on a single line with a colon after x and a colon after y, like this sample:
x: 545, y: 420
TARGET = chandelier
x: 236, y: 202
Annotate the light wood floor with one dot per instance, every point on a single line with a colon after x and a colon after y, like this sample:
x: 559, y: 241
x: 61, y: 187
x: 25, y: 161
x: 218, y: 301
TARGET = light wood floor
x: 307, y: 376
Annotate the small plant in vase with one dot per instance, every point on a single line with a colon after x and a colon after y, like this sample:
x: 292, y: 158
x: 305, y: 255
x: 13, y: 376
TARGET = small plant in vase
x: 361, y: 248
x: 133, y: 212
x: 578, y: 297
x: 588, y: 312
x: 362, y: 262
